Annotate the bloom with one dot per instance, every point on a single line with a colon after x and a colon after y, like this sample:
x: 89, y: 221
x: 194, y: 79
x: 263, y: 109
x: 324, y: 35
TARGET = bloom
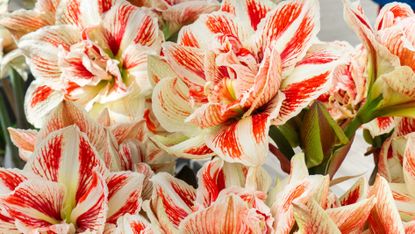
x: 95, y: 56
x: 65, y: 186
x: 235, y: 71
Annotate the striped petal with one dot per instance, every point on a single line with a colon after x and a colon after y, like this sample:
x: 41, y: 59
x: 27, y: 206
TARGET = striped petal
x: 352, y: 217
x: 228, y: 215
x: 10, y: 179
x: 356, y: 193
x: 250, y: 12
x: 22, y: 22
x: 310, y: 78
x: 405, y: 126
x: 311, y: 218
x: 384, y: 217
x: 404, y: 201
x: 47, y: 5
x: 292, y: 26
x: 42, y: 48
x: 35, y: 204
x: 124, y: 194
x: 245, y: 141
x: 40, y: 100
x: 171, y: 105
x: 400, y: 42
x: 171, y: 202
x: 391, y: 14
x: 380, y: 126
x: 66, y: 156
x: 24, y: 140
x: 125, y: 24
x: 91, y: 208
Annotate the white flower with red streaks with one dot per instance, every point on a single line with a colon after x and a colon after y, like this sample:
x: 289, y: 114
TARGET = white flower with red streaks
x: 130, y: 224
x: 176, y: 205
x: 236, y: 70
x: 348, y: 89
x: 98, y: 59
x: 308, y: 202
x: 391, y: 54
x: 69, y: 187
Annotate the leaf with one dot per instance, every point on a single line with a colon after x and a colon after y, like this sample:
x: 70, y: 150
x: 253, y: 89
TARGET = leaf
x: 310, y: 137
x: 336, y: 128
x: 290, y: 131
x: 283, y: 144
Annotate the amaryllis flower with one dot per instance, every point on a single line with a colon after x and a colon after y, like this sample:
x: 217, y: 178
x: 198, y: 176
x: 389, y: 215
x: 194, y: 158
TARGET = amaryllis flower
x: 348, y: 89
x: 391, y: 71
x: 308, y: 202
x: 65, y: 186
x: 175, y: 14
x: 234, y: 71
x: 221, y: 197
x: 97, y: 59
x: 120, y: 146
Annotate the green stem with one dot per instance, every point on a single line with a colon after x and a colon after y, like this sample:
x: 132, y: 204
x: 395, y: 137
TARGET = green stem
x: 11, y: 157
x: 18, y: 92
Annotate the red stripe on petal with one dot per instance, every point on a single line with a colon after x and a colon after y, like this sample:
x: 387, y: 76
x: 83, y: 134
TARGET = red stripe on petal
x: 256, y: 12
x: 146, y: 34
x: 187, y: 38
x: 115, y: 32
x: 202, y: 150
x: 40, y: 95
x: 228, y: 142
x: 221, y: 24
x: 11, y: 178
x: 259, y: 126
x: 47, y: 161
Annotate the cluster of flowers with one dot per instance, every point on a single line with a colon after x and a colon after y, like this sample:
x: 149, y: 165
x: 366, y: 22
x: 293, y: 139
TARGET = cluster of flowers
x: 124, y: 88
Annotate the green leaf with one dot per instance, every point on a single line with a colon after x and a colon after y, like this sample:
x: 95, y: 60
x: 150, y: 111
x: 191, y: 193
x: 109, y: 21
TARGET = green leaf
x: 333, y: 124
x: 283, y: 144
x: 290, y: 131
x: 310, y: 137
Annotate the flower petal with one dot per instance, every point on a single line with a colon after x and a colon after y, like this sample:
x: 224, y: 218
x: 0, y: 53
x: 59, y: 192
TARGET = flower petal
x: 409, y: 165
x: 133, y: 224
x: 250, y: 12
x: 292, y: 26
x: 356, y: 193
x: 36, y: 203
x: 211, y: 180
x: 311, y: 218
x: 392, y: 13
x: 47, y: 5
x: 171, y: 202
x: 380, y: 126
x: 24, y: 140
x: 22, y: 22
x: 42, y: 48
x: 125, y: 24
x: 90, y: 211
x: 40, y: 100
x: 310, y: 78
x: 229, y: 215
x: 10, y: 179
x: 352, y: 217
x: 124, y: 194
x: 245, y: 141
x: 384, y: 216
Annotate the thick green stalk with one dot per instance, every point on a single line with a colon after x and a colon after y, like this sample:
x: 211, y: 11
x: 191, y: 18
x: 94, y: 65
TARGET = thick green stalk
x: 18, y: 92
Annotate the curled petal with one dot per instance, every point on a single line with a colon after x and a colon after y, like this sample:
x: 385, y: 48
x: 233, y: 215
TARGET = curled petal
x: 211, y: 180
x: 133, y: 224
x: 384, y: 216
x: 356, y: 193
x: 36, y: 204
x: 409, y: 165
x: 124, y: 194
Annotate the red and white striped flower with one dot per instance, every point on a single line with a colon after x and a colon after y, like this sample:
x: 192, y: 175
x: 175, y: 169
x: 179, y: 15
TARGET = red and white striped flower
x: 234, y: 71
x: 391, y: 54
x: 348, y: 89
x: 95, y: 55
x: 66, y: 187
x: 221, y: 198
